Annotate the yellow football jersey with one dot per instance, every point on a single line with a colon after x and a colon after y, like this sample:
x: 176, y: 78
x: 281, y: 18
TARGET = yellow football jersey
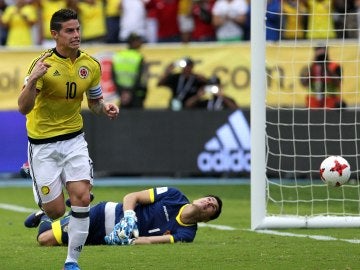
x: 61, y: 91
x: 19, y: 30
x: 48, y: 8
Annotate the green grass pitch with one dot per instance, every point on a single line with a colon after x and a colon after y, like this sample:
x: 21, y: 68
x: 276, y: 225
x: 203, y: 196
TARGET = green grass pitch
x: 239, y: 248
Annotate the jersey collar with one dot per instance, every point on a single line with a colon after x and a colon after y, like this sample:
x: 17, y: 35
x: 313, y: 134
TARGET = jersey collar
x: 178, y: 217
x: 59, y: 55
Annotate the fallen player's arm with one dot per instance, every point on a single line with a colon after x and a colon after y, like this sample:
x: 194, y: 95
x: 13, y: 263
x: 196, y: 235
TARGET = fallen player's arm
x: 132, y: 199
x: 161, y: 239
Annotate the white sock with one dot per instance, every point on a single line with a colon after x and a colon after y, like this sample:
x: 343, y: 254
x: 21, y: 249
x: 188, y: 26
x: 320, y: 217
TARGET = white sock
x: 78, y: 231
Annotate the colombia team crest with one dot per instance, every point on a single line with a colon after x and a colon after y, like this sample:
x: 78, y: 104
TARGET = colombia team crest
x: 83, y: 72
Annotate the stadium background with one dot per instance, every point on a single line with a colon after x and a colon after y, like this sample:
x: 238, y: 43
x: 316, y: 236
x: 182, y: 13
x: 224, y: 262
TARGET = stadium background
x: 162, y: 142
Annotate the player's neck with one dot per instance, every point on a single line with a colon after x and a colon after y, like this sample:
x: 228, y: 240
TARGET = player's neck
x: 68, y: 53
x: 190, y: 214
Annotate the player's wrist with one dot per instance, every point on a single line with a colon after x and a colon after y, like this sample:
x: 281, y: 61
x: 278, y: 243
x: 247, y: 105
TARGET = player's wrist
x: 30, y: 80
x: 130, y: 213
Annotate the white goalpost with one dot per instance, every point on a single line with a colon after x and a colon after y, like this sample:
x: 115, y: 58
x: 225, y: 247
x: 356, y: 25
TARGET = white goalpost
x: 289, y: 138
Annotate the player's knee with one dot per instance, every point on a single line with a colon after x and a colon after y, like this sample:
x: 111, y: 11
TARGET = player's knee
x: 55, y: 208
x: 55, y: 213
x: 81, y: 200
x: 42, y: 239
x: 46, y: 239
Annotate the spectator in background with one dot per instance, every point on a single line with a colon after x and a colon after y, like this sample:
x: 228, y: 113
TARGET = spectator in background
x: 273, y: 20
x: 3, y: 29
x: 112, y: 17
x: 345, y: 19
x: 185, y: 20
x: 357, y: 8
x: 167, y: 18
x: 129, y: 73
x: 211, y: 97
x: 203, y: 29
x: 93, y: 21
x: 229, y: 18
x: 133, y: 19
x: 320, y: 20
x: 151, y: 22
x: 294, y: 20
x: 46, y: 10
x: 19, y: 19
x: 247, y: 26
x: 323, y: 78
x: 183, y: 84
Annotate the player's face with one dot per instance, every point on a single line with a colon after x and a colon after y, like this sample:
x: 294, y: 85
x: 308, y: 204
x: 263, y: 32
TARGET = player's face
x: 208, y: 205
x: 69, y: 35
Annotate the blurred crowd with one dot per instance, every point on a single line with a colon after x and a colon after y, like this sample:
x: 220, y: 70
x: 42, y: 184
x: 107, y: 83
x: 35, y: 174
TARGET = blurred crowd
x: 26, y: 22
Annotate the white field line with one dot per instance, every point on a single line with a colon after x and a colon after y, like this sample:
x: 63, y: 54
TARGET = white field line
x: 315, y: 237
x: 217, y: 227
x: 17, y: 208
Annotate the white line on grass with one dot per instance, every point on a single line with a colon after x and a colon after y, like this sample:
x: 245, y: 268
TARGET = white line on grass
x: 16, y: 208
x: 218, y: 227
x: 315, y: 237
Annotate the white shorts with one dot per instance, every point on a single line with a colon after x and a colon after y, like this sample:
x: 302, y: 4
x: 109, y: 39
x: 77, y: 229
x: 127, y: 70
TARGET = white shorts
x: 54, y: 164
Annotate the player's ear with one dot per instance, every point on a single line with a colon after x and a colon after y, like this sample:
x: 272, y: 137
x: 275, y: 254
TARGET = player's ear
x: 54, y: 34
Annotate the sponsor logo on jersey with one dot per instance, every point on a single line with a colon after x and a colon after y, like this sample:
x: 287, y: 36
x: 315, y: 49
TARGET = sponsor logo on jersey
x: 56, y: 73
x: 229, y: 149
x: 166, y: 213
x: 154, y: 230
x: 83, y: 72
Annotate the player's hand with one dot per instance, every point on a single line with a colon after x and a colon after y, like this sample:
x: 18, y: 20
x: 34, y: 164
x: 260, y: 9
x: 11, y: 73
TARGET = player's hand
x: 113, y: 239
x: 111, y: 110
x: 41, y: 67
x: 128, y: 242
x: 128, y: 227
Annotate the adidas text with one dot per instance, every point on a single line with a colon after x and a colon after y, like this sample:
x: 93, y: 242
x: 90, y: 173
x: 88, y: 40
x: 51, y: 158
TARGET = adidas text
x: 229, y: 149
x: 236, y: 161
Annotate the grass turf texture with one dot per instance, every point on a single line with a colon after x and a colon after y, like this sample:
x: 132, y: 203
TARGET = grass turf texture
x: 212, y: 248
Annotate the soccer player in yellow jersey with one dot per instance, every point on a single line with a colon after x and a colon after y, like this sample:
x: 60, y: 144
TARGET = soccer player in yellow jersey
x: 57, y: 151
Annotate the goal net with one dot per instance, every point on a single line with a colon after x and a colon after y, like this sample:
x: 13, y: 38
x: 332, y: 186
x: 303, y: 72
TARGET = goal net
x: 304, y: 108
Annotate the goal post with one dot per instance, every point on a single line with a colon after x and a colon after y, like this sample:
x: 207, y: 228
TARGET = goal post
x: 257, y: 114
x: 289, y: 140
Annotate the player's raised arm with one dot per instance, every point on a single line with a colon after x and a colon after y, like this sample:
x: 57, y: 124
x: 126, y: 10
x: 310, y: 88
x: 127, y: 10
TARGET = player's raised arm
x: 132, y: 199
x: 26, y: 100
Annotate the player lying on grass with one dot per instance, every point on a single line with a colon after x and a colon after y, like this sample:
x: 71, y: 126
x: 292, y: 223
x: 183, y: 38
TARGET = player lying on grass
x: 156, y: 215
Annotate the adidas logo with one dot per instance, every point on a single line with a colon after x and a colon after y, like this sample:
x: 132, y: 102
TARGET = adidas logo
x: 56, y: 73
x: 79, y: 248
x: 229, y: 150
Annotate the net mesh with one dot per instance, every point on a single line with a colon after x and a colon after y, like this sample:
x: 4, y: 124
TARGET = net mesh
x: 312, y: 76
